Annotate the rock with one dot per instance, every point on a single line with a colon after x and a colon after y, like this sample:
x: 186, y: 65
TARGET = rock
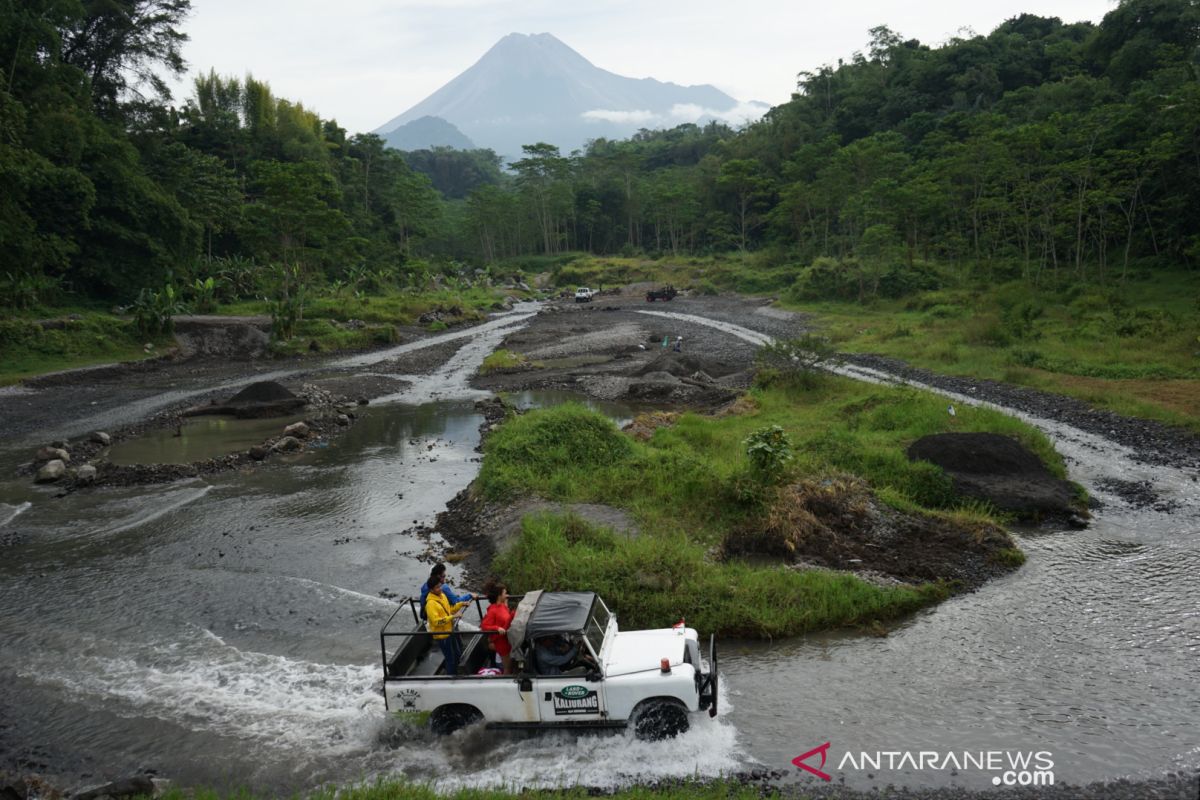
x: 297, y: 429
x: 135, y: 786
x: 86, y: 474
x: 343, y: 419
x: 1001, y: 471
x: 362, y: 401
x: 52, y: 453
x: 51, y: 471
x: 258, y: 452
x: 354, y: 324
x: 286, y: 443
x: 101, y: 438
x: 61, y: 444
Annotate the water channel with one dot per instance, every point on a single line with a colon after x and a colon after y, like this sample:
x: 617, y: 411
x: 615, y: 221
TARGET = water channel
x: 224, y: 632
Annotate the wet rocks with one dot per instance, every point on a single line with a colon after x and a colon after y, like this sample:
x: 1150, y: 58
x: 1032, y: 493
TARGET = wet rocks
x: 1000, y: 470
x: 52, y: 453
x: 51, y: 471
x: 298, y: 430
x: 101, y: 438
x: 85, y: 475
x: 286, y: 444
x: 259, y: 452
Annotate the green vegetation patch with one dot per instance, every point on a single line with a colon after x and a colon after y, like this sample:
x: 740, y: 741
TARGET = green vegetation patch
x: 29, y: 347
x: 1135, y: 350
x: 687, y: 488
x: 507, y: 361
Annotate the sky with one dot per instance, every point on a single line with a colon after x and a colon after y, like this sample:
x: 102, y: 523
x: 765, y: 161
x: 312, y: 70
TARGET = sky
x: 362, y: 62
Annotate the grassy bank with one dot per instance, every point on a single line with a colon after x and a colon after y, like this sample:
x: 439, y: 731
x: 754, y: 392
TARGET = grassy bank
x: 49, y: 339
x: 1134, y: 350
x: 59, y: 339
x: 687, y: 489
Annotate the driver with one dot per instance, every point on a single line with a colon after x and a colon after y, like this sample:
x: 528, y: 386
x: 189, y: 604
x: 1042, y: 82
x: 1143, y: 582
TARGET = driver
x: 555, y: 655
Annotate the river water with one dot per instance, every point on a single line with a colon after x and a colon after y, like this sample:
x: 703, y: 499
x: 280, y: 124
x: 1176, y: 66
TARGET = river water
x: 225, y: 632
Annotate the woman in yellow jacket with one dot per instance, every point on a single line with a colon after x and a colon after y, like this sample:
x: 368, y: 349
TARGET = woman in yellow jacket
x: 441, y: 615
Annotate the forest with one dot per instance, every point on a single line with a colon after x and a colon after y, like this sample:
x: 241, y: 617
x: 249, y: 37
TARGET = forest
x: 1040, y: 151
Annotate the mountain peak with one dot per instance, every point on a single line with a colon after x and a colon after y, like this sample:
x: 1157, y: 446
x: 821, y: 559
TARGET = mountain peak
x: 532, y: 87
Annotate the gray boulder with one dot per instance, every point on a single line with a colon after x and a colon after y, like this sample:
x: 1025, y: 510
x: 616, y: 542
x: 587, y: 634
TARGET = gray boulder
x: 100, y: 437
x: 86, y: 474
x: 258, y: 452
x: 51, y: 471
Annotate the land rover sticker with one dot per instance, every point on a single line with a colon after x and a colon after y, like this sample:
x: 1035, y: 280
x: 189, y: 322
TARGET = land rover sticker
x: 575, y: 700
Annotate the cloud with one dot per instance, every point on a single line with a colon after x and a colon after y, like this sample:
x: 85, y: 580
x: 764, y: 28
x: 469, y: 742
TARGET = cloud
x: 679, y: 114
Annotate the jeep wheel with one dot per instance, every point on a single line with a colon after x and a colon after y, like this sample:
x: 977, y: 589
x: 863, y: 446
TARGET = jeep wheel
x: 445, y: 720
x: 655, y: 720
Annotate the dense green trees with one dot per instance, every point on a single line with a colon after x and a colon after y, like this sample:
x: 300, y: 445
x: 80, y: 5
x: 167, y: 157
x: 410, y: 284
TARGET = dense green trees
x: 1041, y: 148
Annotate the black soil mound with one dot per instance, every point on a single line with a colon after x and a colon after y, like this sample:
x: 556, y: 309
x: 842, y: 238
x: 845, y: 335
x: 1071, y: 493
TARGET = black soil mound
x: 1001, y: 471
x: 262, y: 392
x: 839, y: 524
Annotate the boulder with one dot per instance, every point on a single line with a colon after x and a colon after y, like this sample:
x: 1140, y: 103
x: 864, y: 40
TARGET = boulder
x: 297, y: 429
x: 101, y: 438
x: 286, y: 443
x: 51, y: 471
x: 258, y: 452
x: 61, y: 444
x: 1000, y: 470
x: 343, y: 419
x: 86, y: 474
x: 52, y: 453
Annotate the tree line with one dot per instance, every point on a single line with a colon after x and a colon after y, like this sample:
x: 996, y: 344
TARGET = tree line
x: 1041, y: 148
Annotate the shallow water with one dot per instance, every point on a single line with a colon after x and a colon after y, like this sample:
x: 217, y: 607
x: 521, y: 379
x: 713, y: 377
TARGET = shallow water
x: 197, y: 439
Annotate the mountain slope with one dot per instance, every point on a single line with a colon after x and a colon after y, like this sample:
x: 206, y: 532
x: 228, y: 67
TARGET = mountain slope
x: 424, y: 133
x: 530, y: 88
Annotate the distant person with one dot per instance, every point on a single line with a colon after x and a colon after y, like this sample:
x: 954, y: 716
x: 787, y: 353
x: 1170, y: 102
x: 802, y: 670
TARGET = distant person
x: 666, y: 341
x: 497, y: 621
x: 442, y: 614
x: 678, y: 344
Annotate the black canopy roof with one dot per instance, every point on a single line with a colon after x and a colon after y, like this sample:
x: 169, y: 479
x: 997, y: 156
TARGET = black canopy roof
x: 560, y: 612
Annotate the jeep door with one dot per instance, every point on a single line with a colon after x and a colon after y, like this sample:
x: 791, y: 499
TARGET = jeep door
x: 569, y: 698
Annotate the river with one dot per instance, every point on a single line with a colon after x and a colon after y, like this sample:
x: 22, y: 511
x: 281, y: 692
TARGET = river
x: 225, y: 631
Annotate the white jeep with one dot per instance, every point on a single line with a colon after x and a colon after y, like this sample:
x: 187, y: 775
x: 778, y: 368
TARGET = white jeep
x: 652, y: 678
x: 584, y: 295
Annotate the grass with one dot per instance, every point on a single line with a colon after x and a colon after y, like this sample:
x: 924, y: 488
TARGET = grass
x: 27, y: 349
x: 682, y: 487
x: 1133, y: 350
x: 98, y: 337
x: 505, y: 360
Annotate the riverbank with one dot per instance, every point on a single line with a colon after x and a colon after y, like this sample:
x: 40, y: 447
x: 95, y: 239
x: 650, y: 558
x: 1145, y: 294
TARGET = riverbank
x: 758, y: 785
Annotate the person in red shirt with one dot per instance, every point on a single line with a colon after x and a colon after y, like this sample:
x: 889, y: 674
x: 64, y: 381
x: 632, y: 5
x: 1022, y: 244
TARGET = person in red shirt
x: 496, y: 621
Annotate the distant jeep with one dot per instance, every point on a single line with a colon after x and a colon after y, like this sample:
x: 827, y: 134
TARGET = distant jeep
x: 584, y: 295
x: 665, y: 293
